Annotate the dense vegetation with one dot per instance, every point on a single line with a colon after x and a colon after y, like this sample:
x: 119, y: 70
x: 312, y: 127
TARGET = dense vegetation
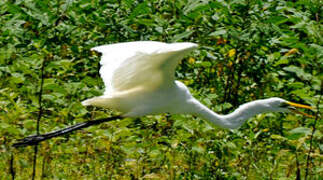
x: 249, y: 49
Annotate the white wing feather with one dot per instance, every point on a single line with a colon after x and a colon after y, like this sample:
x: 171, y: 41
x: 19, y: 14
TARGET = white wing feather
x: 146, y: 64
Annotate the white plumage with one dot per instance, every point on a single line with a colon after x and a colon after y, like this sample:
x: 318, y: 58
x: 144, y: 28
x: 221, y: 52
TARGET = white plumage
x: 139, y: 80
x: 126, y: 66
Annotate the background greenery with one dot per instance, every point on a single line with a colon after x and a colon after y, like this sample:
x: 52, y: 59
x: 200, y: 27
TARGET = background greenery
x: 249, y: 49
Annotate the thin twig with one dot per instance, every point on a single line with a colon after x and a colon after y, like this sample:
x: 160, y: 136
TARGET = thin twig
x: 312, y: 135
x: 12, y: 170
x: 298, y: 170
x: 235, y: 93
x: 40, y: 112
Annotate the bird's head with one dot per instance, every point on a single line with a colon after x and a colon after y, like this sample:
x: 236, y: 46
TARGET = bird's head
x: 282, y: 105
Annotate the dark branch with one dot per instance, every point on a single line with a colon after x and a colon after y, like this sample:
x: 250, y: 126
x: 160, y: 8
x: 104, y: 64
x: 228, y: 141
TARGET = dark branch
x: 35, y: 139
x: 40, y: 112
x: 12, y: 169
x: 308, y: 159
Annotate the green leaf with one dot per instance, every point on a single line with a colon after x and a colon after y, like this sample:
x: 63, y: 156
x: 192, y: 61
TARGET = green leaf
x: 218, y: 32
x: 140, y: 10
x: 298, y: 133
x: 194, y: 5
x: 29, y: 124
x: 277, y: 19
x: 301, y: 130
x: 17, y: 78
x: 278, y: 137
x: 299, y: 72
x: 4, y: 125
x: 283, y: 60
x: 198, y: 149
x: 182, y: 35
x: 206, y: 64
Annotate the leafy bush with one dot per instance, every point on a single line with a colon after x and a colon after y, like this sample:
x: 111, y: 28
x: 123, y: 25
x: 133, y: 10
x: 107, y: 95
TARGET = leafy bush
x: 248, y: 50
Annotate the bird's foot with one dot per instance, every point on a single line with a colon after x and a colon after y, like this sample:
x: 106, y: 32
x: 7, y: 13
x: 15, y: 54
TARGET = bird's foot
x: 30, y: 140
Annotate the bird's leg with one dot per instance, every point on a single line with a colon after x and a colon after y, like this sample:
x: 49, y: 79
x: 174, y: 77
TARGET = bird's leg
x: 35, y: 139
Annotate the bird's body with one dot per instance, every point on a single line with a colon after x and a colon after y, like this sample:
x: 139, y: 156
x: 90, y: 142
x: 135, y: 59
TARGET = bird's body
x: 140, y: 102
x: 139, y: 80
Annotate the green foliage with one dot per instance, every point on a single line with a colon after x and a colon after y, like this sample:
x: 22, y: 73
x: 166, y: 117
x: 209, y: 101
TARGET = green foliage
x: 248, y: 50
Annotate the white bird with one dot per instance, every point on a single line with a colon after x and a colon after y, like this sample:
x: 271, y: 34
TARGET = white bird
x: 139, y: 79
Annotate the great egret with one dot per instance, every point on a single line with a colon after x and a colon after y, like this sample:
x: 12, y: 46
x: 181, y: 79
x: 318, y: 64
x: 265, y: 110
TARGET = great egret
x: 139, y: 80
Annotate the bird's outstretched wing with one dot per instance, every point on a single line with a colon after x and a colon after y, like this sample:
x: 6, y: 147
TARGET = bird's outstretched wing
x: 141, y: 64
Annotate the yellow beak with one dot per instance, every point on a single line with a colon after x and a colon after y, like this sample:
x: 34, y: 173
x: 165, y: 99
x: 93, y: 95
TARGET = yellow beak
x: 300, y: 106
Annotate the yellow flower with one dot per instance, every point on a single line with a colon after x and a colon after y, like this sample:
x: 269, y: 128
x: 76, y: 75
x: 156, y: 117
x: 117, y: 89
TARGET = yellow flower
x: 232, y: 52
x: 191, y: 60
x: 292, y: 51
x: 212, y: 90
x: 230, y: 64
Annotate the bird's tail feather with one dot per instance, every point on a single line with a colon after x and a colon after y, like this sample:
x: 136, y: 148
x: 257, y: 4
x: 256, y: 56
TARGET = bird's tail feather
x: 99, y: 101
x: 87, y: 102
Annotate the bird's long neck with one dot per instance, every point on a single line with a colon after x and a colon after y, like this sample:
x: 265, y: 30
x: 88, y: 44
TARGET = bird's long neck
x: 232, y: 120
